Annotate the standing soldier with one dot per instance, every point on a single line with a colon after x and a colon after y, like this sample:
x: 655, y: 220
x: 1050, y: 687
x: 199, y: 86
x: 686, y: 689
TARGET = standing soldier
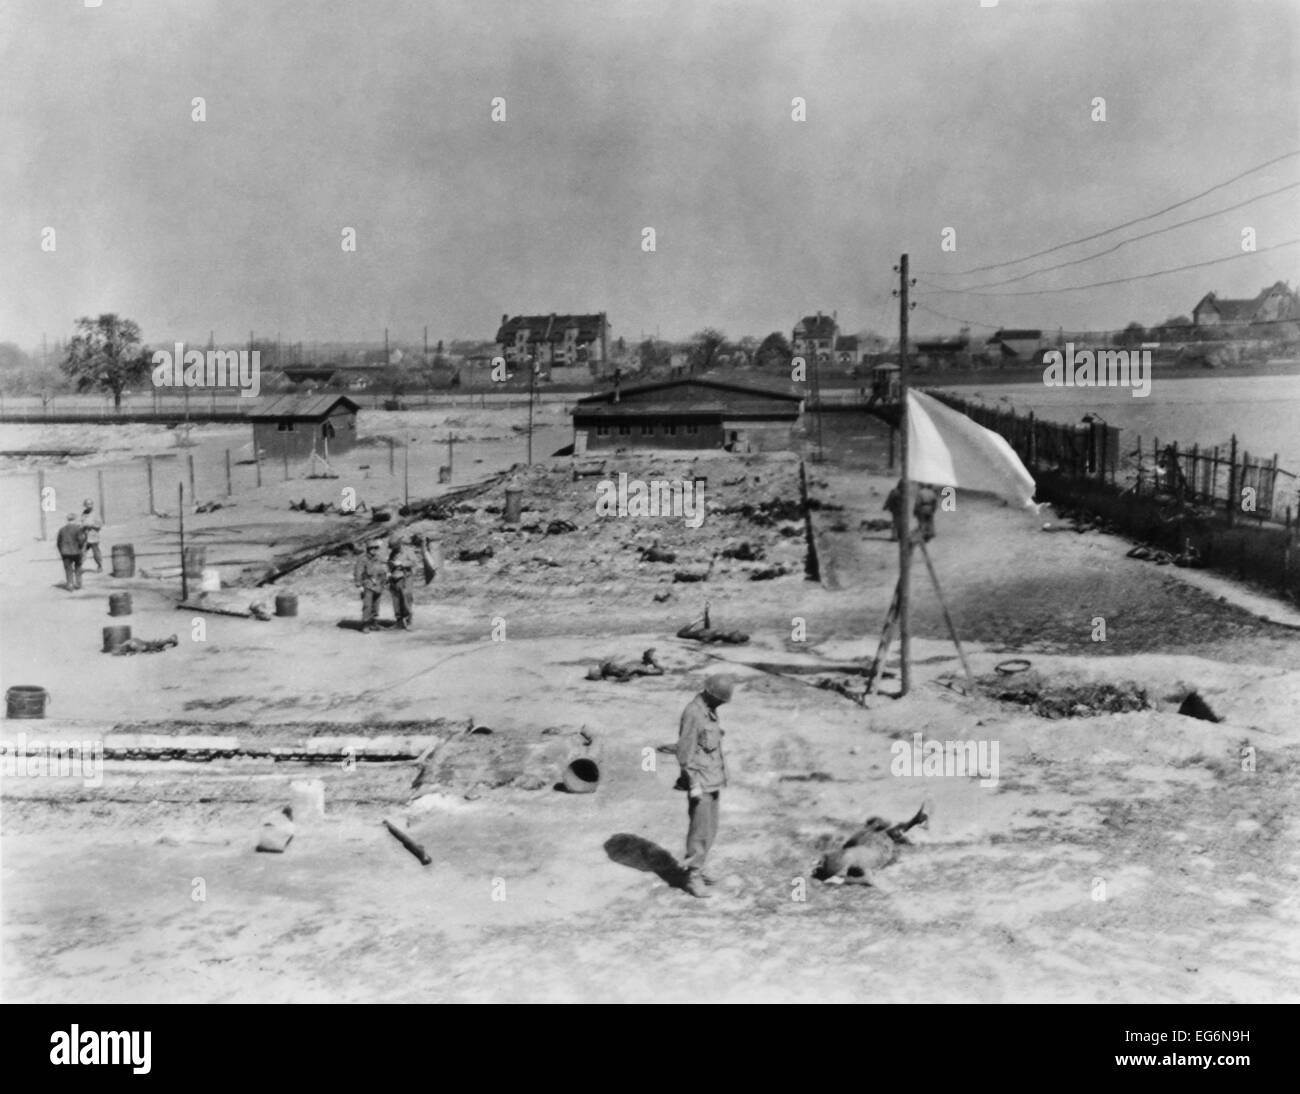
x: 401, y: 580
x: 894, y: 505
x: 71, y: 542
x: 927, y: 501
x: 370, y: 575
x: 92, y: 524
x: 704, y: 774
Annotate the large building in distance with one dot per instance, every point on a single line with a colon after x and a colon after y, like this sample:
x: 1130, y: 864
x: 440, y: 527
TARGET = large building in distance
x: 1277, y: 302
x: 694, y: 412
x: 550, y: 340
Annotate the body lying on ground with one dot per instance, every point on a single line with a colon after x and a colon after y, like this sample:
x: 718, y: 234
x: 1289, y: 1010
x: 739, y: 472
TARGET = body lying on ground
x: 873, y: 847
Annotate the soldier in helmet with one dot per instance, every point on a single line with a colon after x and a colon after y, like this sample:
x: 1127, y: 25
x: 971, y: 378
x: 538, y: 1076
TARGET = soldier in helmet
x: 401, y: 580
x: 371, y: 576
x: 704, y: 774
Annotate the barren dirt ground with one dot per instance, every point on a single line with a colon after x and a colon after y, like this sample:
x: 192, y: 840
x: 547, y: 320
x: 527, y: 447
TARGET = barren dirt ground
x: 1120, y: 857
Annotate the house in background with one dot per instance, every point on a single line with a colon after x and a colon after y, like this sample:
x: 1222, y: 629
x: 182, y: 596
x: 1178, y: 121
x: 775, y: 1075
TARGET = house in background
x: 1014, y: 346
x: 546, y: 340
x: 849, y: 350
x: 814, y: 334
x: 294, y: 426
x: 693, y: 412
x: 1277, y: 302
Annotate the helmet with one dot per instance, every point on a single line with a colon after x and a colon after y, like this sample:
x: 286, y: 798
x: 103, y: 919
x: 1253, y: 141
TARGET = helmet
x: 373, y: 545
x: 88, y: 504
x: 720, y: 687
x: 395, y: 540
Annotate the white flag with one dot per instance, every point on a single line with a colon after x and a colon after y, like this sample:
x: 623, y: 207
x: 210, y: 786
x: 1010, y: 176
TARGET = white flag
x: 946, y: 448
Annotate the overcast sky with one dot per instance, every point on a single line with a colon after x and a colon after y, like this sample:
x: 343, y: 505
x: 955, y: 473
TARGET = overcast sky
x: 621, y: 115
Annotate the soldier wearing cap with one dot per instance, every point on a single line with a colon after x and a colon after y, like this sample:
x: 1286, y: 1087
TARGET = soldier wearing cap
x: 370, y: 575
x: 71, y: 542
x: 92, y: 525
x: 401, y: 580
x: 704, y: 774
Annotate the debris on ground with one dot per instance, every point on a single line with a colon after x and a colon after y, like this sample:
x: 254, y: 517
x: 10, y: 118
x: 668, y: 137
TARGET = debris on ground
x: 1193, y: 706
x: 655, y: 553
x: 277, y: 831
x: 1064, y: 700
x: 471, y: 554
x: 744, y: 552
x: 406, y: 841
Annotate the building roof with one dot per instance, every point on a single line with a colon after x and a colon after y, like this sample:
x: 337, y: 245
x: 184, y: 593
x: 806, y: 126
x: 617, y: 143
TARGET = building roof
x: 816, y: 326
x: 550, y: 328
x: 1015, y: 336
x: 1243, y: 310
x: 709, y: 382
x: 313, y: 407
x: 652, y: 410
x: 846, y: 342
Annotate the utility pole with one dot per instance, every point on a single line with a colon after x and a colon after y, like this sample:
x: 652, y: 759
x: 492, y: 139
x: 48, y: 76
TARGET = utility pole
x: 426, y: 344
x: 905, y: 540
x: 532, y: 380
x: 180, y: 509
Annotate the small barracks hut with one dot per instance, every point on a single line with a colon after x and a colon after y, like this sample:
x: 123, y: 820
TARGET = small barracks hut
x: 694, y: 412
x: 294, y: 425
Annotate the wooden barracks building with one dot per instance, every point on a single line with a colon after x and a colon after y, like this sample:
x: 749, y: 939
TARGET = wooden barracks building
x: 694, y: 412
x: 297, y: 425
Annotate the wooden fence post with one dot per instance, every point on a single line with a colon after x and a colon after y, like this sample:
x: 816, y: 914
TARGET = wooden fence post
x: 1232, y: 478
x: 229, y: 482
x: 40, y: 499
x: 103, y: 518
x: 148, y: 465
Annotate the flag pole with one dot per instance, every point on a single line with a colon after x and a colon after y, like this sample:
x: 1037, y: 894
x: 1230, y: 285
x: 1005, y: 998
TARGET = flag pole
x: 905, y: 493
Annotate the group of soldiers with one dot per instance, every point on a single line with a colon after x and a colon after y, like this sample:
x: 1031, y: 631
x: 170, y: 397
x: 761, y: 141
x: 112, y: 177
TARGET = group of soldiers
x: 79, y: 537
x: 924, y: 508
x: 374, y: 573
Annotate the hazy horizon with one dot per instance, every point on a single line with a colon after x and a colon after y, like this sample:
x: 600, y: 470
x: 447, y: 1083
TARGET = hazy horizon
x: 920, y: 116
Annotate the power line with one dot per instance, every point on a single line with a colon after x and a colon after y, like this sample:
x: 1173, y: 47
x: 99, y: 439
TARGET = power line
x: 1121, y: 243
x: 958, y: 318
x: 1117, y: 227
x: 1124, y: 280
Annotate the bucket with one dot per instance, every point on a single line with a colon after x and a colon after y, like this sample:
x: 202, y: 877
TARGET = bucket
x: 115, y: 636
x: 210, y: 582
x: 514, y: 506
x: 119, y: 603
x: 581, y: 775
x: 444, y: 474
x: 308, y: 798
x: 25, y: 701
x: 194, y: 559
x: 123, y: 560
x: 286, y: 604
